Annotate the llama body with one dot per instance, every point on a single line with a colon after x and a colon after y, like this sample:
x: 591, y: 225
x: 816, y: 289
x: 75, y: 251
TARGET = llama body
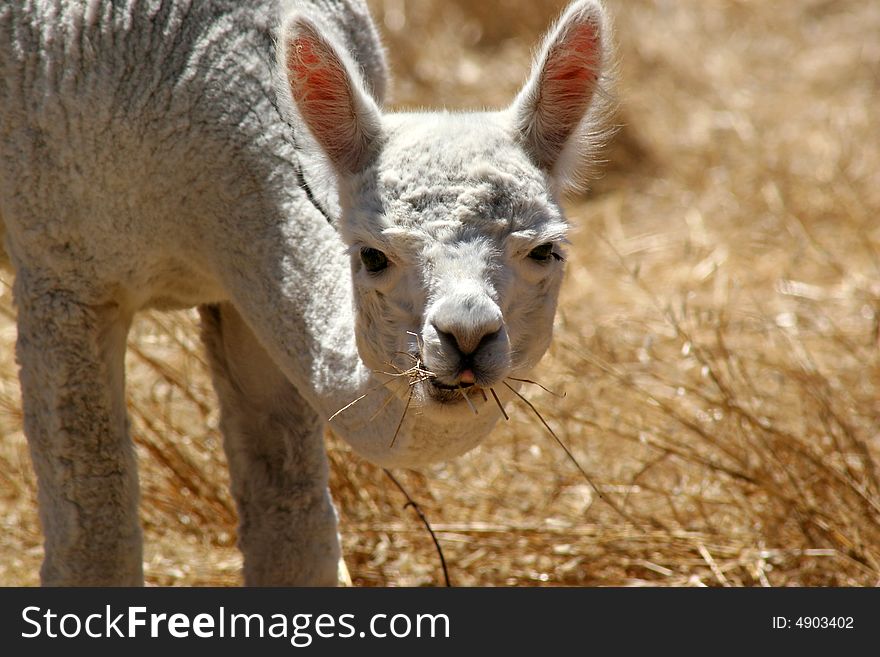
x: 158, y: 155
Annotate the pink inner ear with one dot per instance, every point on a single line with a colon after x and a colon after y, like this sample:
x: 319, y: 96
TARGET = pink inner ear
x: 566, y: 87
x: 320, y: 88
x: 310, y: 78
x: 574, y: 64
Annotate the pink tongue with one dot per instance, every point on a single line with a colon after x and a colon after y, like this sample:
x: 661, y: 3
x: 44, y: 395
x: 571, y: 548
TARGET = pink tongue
x: 467, y: 377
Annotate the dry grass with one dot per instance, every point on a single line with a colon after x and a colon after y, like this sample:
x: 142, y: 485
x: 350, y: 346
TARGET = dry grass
x: 717, y: 338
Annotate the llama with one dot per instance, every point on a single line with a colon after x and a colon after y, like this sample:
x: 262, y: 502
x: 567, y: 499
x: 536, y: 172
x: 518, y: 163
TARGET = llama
x: 233, y: 156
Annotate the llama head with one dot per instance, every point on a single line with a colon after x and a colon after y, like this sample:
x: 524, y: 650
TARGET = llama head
x: 452, y: 220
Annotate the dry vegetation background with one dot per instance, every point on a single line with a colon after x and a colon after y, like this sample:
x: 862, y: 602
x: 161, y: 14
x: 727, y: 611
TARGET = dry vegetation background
x: 717, y: 338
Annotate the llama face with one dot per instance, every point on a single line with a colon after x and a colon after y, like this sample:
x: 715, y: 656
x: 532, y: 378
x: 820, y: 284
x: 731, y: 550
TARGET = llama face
x: 455, y: 235
x: 456, y: 246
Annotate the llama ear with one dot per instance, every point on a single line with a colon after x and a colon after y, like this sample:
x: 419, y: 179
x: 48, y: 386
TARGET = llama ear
x: 331, y: 100
x: 553, y: 111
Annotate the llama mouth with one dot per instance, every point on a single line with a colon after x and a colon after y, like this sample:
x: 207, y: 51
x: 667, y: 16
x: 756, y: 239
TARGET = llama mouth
x: 453, y: 394
x: 455, y: 386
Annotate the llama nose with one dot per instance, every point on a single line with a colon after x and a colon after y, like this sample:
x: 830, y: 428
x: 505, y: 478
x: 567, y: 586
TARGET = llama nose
x: 467, y: 322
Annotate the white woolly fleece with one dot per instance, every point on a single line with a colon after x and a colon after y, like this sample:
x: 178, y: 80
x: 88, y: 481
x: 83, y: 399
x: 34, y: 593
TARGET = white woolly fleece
x: 234, y: 156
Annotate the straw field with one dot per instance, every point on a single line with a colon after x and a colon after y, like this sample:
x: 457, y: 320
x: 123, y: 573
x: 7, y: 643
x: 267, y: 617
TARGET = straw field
x: 716, y: 342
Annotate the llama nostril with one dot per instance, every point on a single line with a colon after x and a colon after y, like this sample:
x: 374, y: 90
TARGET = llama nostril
x: 447, y: 338
x: 467, y: 340
x: 466, y: 322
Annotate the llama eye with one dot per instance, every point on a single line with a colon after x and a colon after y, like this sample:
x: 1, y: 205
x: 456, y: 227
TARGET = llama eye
x: 374, y: 260
x: 543, y: 253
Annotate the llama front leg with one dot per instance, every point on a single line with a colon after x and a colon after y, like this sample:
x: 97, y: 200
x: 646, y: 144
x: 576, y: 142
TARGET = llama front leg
x: 71, y: 357
x: 275, y: 447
